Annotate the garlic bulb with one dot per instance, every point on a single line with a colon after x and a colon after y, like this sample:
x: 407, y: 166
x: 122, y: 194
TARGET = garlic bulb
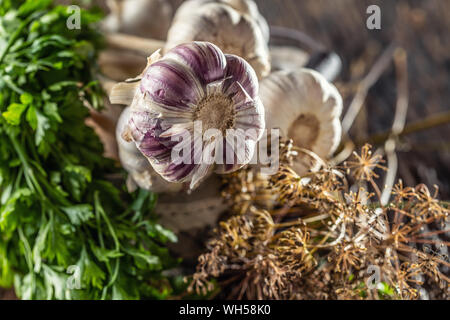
x: 144, y: 18
x: 243, y: 33
x: 140, y: 172
x: 249, y: 7
x: 189, y: 109
x: 306, y: 108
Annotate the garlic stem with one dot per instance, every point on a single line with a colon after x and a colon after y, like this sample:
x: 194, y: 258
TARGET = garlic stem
x: 298, y: 36
x: 119, y: 64
x: 363, y: 89
x: 401, y: 109
x: 432, y: 121
x: 142, y: 46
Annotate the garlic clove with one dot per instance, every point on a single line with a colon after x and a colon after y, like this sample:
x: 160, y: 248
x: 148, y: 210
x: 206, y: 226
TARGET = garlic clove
x: 195, y: 56
x: 140, y: 171
x: 144, y: 18
x: 194, y: 89
x: 249, y: 118
x: 249, y: 7
x: 218, y: 22
x: 306, y: 108
x: 239, y: 72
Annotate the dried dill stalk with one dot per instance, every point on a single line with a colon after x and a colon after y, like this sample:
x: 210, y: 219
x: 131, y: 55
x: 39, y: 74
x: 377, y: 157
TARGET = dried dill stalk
x: 325, y: 236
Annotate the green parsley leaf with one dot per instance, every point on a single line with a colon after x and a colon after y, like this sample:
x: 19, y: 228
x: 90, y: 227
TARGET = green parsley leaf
x: 14, y: 113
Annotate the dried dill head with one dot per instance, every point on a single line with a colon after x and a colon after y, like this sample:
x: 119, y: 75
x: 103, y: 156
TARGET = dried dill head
x: 326, y: 235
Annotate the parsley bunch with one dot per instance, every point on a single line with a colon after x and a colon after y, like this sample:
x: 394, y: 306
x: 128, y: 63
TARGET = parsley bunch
x: 66, y: 231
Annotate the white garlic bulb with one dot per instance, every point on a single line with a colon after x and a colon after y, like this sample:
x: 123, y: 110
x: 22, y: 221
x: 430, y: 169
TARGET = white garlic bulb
x: 249, y: 7
x: 243, y: 33
x: 144, y: 18
x: 306, y: 108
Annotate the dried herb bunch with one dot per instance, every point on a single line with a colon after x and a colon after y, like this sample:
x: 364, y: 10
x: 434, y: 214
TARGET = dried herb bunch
x: 326, y: 235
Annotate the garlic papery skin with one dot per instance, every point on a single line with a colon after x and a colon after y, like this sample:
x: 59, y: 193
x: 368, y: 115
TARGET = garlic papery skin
x: 306, y: 108
x: 249, y: 7
x: 193, y: 91
x: 140, y: 173
x: 218, y: 22
x: 144, y: 18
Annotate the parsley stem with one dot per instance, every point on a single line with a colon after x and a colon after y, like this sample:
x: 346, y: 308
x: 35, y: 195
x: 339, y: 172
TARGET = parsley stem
x: 28, y: 259
x: 108, y: 223
x: 28, y: 171
x: 112, y: 280
x: 12, y: 86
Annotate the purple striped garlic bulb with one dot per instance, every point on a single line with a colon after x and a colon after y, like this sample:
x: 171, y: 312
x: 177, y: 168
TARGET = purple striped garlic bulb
x: 140, y: 173
x: 196, y: 111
